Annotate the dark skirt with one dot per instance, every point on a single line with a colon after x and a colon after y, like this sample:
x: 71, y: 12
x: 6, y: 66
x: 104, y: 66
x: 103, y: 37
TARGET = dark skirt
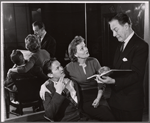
x: 102, y: 112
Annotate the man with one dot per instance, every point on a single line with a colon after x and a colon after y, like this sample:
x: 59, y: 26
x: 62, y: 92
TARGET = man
x: 47, y: 42
x: 61, y: 103
x: 127, y: 99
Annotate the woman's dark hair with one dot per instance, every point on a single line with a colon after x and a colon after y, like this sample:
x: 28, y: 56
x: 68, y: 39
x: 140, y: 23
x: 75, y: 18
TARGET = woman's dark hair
x: 122, y: 18
x: 15, y: 57
x: 47, y: 66
x: 72, y: 49
x: 32, y: 43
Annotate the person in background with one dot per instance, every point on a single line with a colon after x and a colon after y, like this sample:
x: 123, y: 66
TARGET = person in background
x: 127, y: 97
x: 38, y: 57
x: 62, y: 103
x: 18, y: 59
x: 47, y: 42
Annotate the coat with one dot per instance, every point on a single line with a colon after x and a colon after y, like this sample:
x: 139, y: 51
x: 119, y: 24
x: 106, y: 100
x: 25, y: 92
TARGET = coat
x: 127, y: 93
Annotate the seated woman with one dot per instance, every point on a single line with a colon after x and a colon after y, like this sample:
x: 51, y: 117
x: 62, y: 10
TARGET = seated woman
x: 38, y: 57
x: 82, y: 67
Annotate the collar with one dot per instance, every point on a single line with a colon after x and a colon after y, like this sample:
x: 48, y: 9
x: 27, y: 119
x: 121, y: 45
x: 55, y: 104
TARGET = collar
x: 44, y: 33
x: 128, y: 39
x: 55, y: 82
x: 83, y: 66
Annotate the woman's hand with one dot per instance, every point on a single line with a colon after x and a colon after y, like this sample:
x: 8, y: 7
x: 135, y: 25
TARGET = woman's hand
x: 95, y: 103
x: 103, y: 69
x: 12, y: 70
x: 43, y: 90
x: 98, y: 79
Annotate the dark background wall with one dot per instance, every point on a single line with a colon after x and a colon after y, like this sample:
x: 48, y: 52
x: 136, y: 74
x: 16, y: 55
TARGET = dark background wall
x: 16, y: 23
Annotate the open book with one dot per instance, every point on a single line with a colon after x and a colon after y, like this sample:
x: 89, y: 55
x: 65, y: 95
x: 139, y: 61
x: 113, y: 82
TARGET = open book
x: 112, y: 72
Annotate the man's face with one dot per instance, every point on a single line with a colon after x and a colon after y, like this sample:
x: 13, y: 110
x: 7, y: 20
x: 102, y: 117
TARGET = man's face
x: 57, y: 70
x: 37, y: 31
x: 119, y: 31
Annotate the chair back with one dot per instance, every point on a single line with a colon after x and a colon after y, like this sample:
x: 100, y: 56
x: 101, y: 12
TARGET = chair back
x: 28, y: 89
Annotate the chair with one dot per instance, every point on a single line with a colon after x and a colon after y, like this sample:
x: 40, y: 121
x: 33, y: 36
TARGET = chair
x: 27, y: 94
x: 48, y: 119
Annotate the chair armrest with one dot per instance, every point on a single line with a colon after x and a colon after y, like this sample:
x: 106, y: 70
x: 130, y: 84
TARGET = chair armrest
x: 9, y: 85
x: 8, y: 89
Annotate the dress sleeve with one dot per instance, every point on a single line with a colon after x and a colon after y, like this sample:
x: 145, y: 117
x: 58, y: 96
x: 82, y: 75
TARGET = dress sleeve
x: 28, y: 65
x: 97, y: 65
x: 9, y: 79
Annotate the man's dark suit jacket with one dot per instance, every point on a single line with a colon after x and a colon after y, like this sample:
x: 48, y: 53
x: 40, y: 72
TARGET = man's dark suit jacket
x: 58, y: 107
x: 49, y: 44
x: 127, y: 93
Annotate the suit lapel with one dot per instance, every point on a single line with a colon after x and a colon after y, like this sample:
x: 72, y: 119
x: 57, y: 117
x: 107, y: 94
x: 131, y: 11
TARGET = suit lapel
x: 51, y: 87
x: 77, y: 91
x: 117, y: 56
x: 44, y: 39
x: 118, y: 60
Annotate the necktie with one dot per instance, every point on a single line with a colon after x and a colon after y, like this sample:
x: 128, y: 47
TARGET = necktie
x: 122, y: 47
x: 66, y: 93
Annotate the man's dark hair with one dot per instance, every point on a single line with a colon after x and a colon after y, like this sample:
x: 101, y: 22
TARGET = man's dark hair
x: 15, y: 57
x: 39, y: 24
x: 47, y: 66
x: 122, y: 18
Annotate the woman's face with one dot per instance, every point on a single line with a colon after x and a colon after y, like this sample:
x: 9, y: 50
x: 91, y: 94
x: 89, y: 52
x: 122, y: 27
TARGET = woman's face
x: 82, y: 51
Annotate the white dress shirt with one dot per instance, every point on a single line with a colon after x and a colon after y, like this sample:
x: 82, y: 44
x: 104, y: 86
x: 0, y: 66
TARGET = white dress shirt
x: 128, y: 39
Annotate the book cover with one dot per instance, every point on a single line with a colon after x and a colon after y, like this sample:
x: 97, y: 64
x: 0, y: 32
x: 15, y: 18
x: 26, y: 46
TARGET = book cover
x: 113, y: 73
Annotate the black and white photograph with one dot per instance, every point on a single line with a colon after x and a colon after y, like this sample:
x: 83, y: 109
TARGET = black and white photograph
x: 75, y: 61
